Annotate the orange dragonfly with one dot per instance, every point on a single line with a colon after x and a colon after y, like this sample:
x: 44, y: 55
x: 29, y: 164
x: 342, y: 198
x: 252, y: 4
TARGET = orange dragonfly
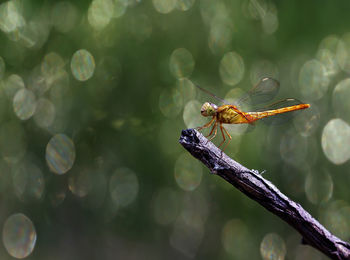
x: 266, y: 89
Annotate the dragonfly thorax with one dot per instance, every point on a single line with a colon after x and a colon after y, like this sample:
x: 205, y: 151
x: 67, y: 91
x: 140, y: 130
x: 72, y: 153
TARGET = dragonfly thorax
x: 209, y: 109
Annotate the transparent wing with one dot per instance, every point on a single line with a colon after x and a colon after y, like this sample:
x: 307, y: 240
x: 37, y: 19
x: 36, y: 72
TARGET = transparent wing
x: 211, y: 94
x: 264, y: 91
x: 288, y: 102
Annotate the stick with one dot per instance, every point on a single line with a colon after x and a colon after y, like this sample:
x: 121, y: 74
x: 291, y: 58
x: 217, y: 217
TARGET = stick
x: 252, y: 184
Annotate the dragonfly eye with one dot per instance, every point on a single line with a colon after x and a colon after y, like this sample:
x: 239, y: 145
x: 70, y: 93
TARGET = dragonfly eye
x: 208, y: 109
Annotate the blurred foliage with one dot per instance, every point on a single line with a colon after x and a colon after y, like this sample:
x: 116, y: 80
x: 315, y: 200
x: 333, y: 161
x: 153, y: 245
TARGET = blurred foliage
x: 94, y: 95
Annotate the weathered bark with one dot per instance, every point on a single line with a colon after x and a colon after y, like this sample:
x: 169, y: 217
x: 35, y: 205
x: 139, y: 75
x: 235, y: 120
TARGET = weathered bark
x: 251, y: 183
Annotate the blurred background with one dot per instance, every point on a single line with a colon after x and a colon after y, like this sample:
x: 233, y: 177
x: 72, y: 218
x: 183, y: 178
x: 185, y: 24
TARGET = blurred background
x: 93, y: 98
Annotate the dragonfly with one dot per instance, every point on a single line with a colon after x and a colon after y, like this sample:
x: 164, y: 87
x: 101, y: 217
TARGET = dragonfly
x: 264, y: 91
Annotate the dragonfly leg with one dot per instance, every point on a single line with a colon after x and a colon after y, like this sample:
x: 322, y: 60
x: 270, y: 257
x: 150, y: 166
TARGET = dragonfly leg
x: 229, y: 136
x: 207, y: 124
x: 215, y: 132
x: 223, y: 136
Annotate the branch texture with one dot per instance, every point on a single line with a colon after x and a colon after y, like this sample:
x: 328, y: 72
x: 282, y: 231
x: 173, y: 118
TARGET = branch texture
x: 251, y: 183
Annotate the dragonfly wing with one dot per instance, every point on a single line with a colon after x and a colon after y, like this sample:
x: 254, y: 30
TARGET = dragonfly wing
x: 211, y: 94
x: 288, y: 102
x: 264, y: 91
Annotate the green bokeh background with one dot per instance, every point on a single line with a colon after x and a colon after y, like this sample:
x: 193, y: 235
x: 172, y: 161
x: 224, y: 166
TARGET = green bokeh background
x: 115, y: 121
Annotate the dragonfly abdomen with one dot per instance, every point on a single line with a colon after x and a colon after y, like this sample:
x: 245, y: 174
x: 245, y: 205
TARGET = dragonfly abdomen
x: 259, y: 115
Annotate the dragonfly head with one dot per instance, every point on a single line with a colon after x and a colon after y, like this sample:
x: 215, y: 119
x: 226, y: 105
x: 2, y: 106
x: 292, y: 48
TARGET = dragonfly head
x: 209, y: 109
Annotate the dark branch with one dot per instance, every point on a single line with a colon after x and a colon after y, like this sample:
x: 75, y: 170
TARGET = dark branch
x: 252, y: 184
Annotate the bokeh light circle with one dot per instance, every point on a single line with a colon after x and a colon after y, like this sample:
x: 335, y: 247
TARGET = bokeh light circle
x: 293, y: 148
x: 335, y: 217
x: 181, y: 63
x: 220, y: 35
x: 52, y: 70
x: 166, y: 206
x: 318, y: 186
x: 270, y: 20
x: 235, y: 238
x: 19, y: 235
x: 45, y: 113
x: 80, y: 182
x: 188, y: 172
x: 335, y: 141
x: 97, y: 189
x: 11, y: 17
x: 194, y: 208
x: 82, y: 65
x: 164, y: 6
x: 187, y: 89
x: 262, y: 69
x: 60, y: 154
x: 24, y: 104
x: 214, y: 10
x: 340, y: 99
x: 185, y: 238
x: 12, y: 84
x: 313, y: 80
x: 231, y: 68
x: 188, y: 229
x: 28, y: 181
x: 343, y: 52
x: 170, y: 102
x: 273, y: 247
x: 123, y: 187
x: 119, y: 8
x: 327, y: 58
x: 36, y: 81
x: 192, y: 116
x: 307, y: 121
x: 100, y: 13
x: 331, y: 43
x: 184, y: 5
x: 255, y: 10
